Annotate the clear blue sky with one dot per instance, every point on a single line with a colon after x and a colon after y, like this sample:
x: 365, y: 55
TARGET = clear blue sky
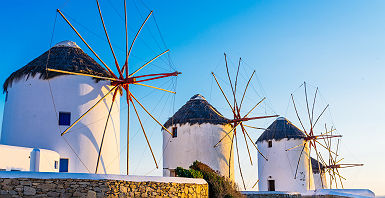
x: 338, y: 46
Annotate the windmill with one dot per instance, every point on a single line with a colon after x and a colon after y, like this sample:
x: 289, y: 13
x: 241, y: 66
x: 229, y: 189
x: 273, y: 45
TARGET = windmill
x: 333, y: 164
x: 120, y: 80
x: 311, y: 138
x: 238, y: 120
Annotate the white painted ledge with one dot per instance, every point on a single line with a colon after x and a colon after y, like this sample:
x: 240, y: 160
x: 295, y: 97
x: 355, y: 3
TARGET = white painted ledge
x: 133, y: 178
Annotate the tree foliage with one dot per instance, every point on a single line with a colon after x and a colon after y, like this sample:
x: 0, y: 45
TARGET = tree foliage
x: 219, y: 186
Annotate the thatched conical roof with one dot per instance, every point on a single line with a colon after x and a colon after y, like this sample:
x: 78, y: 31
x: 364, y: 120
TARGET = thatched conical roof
x: 66, y: 56
x: 196, y: 111
x: 281, y: 128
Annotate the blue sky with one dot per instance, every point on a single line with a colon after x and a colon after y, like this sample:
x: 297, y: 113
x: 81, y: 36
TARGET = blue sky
x: 337, y: 46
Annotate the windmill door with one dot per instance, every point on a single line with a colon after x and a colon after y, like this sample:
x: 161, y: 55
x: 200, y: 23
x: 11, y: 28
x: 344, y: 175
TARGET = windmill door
x: 271, y: 184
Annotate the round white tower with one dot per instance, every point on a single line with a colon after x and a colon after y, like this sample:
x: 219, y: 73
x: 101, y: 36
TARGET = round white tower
x: 279, y: 172
x: 40, y: 105
x: 196, y: 127
x: 319, y: 174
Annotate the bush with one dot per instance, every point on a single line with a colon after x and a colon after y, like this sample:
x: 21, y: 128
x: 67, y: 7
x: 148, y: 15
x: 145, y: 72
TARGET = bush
x: 219, y: 186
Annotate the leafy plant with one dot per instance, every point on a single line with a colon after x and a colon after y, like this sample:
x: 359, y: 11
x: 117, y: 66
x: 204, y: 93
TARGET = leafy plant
x: 219, y: 186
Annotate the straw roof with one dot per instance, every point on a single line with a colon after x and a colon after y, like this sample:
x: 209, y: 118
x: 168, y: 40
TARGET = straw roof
x: 197, y: 111
x: 281, y: 128
x: 63, y: 56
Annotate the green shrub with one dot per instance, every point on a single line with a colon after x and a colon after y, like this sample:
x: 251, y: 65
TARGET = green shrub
x: 219, y: 186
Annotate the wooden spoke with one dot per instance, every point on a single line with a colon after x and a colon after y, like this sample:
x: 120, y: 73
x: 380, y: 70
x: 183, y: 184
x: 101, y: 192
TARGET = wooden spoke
x: 132, y: 43
x: 308, y: 110
x: 319, y: 166
x: 324, y: 147
x: 109, y: 42
x: 295, y: 146
x: 104, y: 132
x: 148, y: 63
x: 296, y: 112
x: 320, y: 115
x: 244, y: 93
x: 254, y: 127
x: 155, y: 87
x: 227, y: 134
x: 223, y: 93
x: 81, y: 74
x: 239, y: 161
x: 247, y: 146
x: 255, y: 107
x: 236, y: 77
x: 255, y: 183
x: 89, y: 47
x: 149, y: 113
x: 231, y: 84
x: 144, y: 133
x: 312, y: 109
x: 125, y: 21
x: 231, y: 152
x: 255, y: 145
x: 299, y: 159
x: 76, y: 121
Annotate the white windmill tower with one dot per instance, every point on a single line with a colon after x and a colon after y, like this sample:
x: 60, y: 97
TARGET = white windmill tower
x: 286, y: 170
x: 195, y: 128
x: 31, y: 119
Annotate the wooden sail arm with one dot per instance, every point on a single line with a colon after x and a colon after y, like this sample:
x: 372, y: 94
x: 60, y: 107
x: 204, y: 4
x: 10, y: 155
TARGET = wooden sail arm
x: 89, y: 47
x: 140, y: 68
x: 133, y: 80
x: 252, y: 118
x: 82, y: 74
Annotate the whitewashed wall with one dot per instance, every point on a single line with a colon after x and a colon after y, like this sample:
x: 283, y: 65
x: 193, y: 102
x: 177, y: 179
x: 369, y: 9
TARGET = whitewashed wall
x: 30, y: 120
x: 281, y: 166
x: 320, y: 181
x: 196, y: 142
x: 28, y: 159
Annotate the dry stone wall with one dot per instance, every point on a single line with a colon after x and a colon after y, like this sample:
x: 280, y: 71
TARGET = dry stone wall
x: 32, y: 187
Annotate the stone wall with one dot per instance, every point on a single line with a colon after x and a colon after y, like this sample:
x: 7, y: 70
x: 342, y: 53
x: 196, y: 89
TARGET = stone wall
x: 67, y: 187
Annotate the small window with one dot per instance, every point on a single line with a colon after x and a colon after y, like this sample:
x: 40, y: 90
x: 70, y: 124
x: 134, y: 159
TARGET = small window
x: 271, y: 184
x: 15, y: 170
x: 63, y: 166
x: 56, y: 164
x: 270, y: 144
x: 6, y: 96
x: 3, y: 169
x: 64, y: 118
x: 174, y: 132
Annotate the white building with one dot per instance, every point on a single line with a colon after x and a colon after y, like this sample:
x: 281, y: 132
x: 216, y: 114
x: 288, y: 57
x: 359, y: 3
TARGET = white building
x: 196, y: 127
x: 279, y: 172
x: 15, y: 158
x: 319, y: 177
x: 40, y: 105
